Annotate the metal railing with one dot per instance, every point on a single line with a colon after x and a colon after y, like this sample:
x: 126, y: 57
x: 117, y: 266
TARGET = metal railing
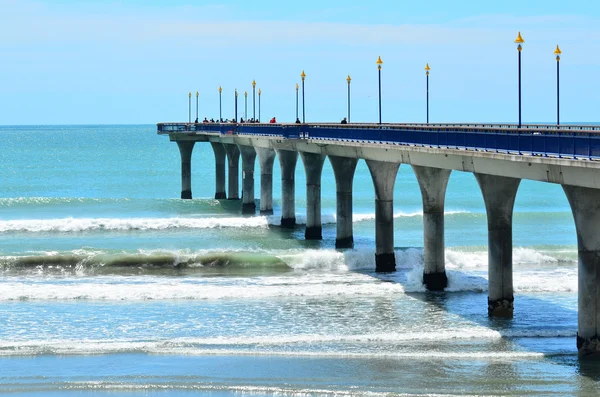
x: 573, y: 141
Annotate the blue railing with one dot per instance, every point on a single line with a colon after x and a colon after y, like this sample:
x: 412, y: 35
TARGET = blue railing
x: 569, y: 141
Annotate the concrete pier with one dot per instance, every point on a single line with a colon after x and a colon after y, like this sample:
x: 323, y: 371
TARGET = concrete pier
x: 384, y: 178
x: 287, y: 161
x: 343, y: 169
x: 248, y: 159
x: 233, y: 161
x: 585, y: 205
x: 220, y: 155
x: 499, y: 195
x: 266, y: 157
x: 433, y: 183
x: 185, y: 150
x: 313, y: 165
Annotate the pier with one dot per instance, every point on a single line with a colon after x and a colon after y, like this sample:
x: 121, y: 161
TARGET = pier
x: 499, y: 156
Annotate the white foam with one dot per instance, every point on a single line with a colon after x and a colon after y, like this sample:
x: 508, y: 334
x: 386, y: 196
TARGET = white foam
x: 91, y: 224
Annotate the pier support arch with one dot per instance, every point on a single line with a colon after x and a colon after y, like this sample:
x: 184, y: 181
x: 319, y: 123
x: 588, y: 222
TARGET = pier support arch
x: 313, y: 166
x: 384, y: 178
x: 433, y: 183
x: 343, y: 169
x: 585, y: 205
x: 266, y: 157
x: 248, y: 159
x: 499, y: 195
x: 220, y: 155
x: 233, y: 161
x: 185, y: 150
x: 287, y: 161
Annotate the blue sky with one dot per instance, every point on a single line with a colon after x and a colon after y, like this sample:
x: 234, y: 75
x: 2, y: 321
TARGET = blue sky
x: 88, y: 62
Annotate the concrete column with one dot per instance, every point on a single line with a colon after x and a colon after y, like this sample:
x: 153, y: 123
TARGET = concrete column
x: 248, y: 159
x: 233, y: 161
x: 313, y: 166
x: 384, y: 178
x: 287, y: 161
x: 433, y: 183
x: 499, y: 195
x: 219, y: 151
x: 343, y: 169
x: 185, y: 150
x: 266, y: 157
x: 585, y: 205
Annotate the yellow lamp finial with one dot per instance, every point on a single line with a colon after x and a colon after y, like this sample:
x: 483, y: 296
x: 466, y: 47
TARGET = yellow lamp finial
x: 245, y: 93
x: 303, y: 75
x: 259, y: 92
x: 379, y: 61
x: 519, y: 39
x: 253, y: 83
x: 557, y: 51
x: 427, y: 68
x: 297, y: 86
x: 348, y: 79
x: 197, y: 93
x: 220, y: 89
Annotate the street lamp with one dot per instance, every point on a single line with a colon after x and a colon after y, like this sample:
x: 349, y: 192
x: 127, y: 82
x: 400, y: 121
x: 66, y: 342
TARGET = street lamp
x: 297, y: 87
x: 235, y: 107
x: 259, y: 92
x: 246, y: 105
x: 519, y: 41
x: 189, y: 107
x: 427, y: 69
x: 557, y: 52
x: 379, y: 63
x: 197, y: 105
x: 220, y: 107
x: 254, y: 100
x: 348, y: 79
x: 303, y: 76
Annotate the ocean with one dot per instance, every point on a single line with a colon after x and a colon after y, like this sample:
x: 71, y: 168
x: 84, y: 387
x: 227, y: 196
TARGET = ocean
x: 110, y: 284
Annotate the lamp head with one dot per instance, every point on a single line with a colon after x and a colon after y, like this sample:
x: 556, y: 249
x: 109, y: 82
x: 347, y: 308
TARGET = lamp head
x: 197, y: 93
x: 189, y: 94
x: 246, y: 93
x: 348, y: 79
x: 297, y: 86
x: 303, y: 75
x: 520, y: 42
x: 253, y: 83
x: 259, y: 92
x: 557, y: 52
x: 379, y: 63
x: 220, y: 89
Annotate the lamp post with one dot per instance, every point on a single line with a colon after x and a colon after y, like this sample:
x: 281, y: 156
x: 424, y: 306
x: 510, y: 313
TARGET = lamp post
x: 348, y: 79
x: 303, y: 76
x: 557, y: 52
x: 220, y: 107
x: 246, y: 105
x: 297, y: 87
x: 235, y: 107
x: 427, y: 69
x: 519, y: 41
x: 197, y: 93
x: 189, y: 107
x: 259, y: 92
x: 379, y: 63
x: 254, y: 100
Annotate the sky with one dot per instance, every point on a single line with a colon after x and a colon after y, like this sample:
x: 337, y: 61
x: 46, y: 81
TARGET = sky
x: 134, y: 62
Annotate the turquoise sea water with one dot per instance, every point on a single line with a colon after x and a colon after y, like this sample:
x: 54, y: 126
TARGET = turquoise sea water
x: 111, y: 284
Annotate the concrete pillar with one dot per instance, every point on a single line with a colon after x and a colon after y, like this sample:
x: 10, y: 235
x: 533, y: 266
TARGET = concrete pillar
x: 384, y: 178
x: 248, y: 159
x: 185, y: 150
x: 343, y: 169
x: 433, y: 183
x: 219, y: 152
x: 313, y: 166
x: 585, y: 205
x: 266, y: 157
x: 287, y: 161
x: 499, y: 195
x: 233, y: 161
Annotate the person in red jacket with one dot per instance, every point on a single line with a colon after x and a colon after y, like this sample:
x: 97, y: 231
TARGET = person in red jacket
x: 273, y: 121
